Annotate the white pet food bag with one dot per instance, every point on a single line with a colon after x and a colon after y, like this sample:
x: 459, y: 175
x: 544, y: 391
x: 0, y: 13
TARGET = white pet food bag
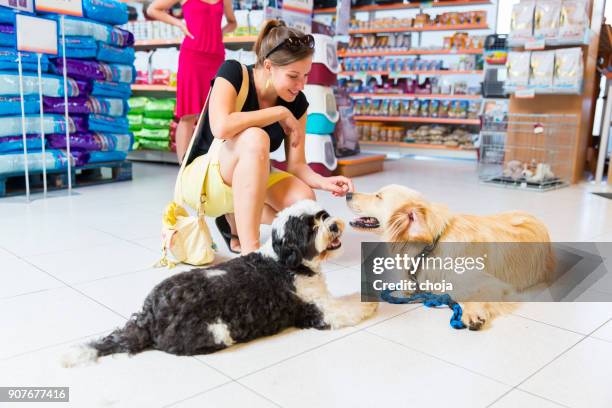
x: 542, y: 69
x: 573, y: 20
x: 546, y: 19
x: 521, y: 23
x: 569, y: 68
x: 518, y: 66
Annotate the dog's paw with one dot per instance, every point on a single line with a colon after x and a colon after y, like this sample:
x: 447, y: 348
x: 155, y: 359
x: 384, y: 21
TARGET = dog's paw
x: 474, y: 317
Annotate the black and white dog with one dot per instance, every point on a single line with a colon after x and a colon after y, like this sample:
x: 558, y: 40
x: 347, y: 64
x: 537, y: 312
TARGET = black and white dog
x: 209, y: 309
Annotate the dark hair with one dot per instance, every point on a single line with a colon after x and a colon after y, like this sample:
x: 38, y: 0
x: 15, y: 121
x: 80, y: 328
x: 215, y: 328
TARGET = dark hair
x: 271, y: 35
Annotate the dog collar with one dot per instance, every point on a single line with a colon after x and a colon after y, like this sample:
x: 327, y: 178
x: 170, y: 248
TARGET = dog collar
x: 413, y: 273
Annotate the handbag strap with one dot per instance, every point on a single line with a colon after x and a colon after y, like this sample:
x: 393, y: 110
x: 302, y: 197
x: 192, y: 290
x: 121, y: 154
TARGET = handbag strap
x: 240, y: 101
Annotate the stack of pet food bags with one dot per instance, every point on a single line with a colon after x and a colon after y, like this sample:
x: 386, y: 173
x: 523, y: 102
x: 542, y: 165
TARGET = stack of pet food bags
x: 11, y: 142
x: 151, y: 121
x: 322, y: 110
x: 100, y: 70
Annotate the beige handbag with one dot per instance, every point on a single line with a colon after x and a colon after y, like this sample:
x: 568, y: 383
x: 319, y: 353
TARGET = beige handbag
x: 187, y: 237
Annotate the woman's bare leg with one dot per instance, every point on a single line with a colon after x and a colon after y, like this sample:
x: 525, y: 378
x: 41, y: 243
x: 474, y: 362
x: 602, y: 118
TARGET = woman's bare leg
x: 184, y: 132
x: 245, y: 166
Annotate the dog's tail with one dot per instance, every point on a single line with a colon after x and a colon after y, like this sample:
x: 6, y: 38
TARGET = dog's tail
x: 133, y: 338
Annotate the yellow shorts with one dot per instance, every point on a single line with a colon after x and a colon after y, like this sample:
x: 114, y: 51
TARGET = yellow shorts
x: 219, y: 196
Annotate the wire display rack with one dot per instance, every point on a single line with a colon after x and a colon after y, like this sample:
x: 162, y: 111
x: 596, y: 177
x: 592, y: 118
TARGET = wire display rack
x: 528, y: 151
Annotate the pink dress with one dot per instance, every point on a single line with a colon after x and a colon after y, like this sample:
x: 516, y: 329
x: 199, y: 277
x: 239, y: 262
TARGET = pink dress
x: 199, y: 58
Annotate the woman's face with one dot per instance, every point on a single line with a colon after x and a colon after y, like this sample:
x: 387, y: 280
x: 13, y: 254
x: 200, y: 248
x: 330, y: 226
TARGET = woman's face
x: 289, y: 80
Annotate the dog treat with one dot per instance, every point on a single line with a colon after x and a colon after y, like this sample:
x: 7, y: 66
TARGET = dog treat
x: 546, y: 20
x: 568, y: 68
x: 384, y: 107
x: 444, y: 109
x: 542, y: 69
x: 521, y: 23
x: 415, y: 107
x: 433, y: 108
x: 424, y: 109
x: 518, y: 66
x: 395, y: 107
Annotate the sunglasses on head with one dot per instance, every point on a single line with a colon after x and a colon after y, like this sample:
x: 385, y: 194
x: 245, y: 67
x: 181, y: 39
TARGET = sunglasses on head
x: 294, y: 44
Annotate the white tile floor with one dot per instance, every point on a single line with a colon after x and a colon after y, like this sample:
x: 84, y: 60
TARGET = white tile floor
x: 75, y: 267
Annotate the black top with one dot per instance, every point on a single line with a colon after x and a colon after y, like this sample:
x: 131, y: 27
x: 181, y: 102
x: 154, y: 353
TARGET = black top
x: 232, y: 71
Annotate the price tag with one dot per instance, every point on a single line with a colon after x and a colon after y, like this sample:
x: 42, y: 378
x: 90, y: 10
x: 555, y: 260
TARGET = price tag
x: 535, y: 44
x: 525, y: 93
x: 69, y: 7
x: 35, y: 34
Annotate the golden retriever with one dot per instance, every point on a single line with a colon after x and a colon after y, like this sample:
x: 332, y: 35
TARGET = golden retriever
x: 402, y: 215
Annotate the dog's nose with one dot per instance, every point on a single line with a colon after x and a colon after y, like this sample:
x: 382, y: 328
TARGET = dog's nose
x: 334, y: 228
x: 349, y: 196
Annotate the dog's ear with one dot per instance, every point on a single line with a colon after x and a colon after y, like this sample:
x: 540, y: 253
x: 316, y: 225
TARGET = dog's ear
x: 292, y: 247
x: 408, y: 224
x: 288, y: 253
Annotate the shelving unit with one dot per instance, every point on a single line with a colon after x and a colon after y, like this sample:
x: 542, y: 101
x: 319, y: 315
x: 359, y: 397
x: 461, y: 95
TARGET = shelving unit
x: 412, y: 96
x: 413, y: 5
x: 410, y: 119
x: 153, y: 88
x: 441, y: 51
x: 406, y: 73
x: 579, y: 105
x: 177, y: 42
x: 156, y: 156
x: 399, y: 149
x: 417, y: 145
x: 420, y: 29
x: 419, y: 52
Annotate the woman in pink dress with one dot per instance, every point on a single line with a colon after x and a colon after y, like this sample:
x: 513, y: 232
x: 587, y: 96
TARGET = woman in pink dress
x: 202, y: 53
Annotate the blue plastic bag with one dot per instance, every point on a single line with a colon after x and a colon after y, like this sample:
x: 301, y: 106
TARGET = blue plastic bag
x: 11, y: 105
x: 15, y: 143
x: 106, y: 11
x: 80, y: 47
x: 107, y: 124
x: 111, y: 89
x: 51, y: 85
x: 108, y: 53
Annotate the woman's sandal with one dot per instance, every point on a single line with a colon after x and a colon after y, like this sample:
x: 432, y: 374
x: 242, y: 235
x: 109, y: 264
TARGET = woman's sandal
x: 226, y: 232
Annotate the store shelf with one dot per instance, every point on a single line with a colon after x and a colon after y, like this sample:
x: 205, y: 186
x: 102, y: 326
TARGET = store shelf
x: 157, y: 43
x: 413, y: 5
x: 420, y: 72
x: 409, y: 119
x: 412, y: 52
x: 421, y: 29
x: 412, y: 96
x: 416, y: 145
x: 247, y: 39
x: 155, y: 156
x: 240, y: 39
x: 152, y: 88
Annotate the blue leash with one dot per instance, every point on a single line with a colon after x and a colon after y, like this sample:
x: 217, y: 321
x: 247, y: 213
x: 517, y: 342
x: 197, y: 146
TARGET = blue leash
x: 429, y: 299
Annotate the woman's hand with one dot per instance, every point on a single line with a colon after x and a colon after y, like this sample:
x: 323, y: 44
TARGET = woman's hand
x: 185, y: 30
x: 293, y: 129
x: 337, y: 185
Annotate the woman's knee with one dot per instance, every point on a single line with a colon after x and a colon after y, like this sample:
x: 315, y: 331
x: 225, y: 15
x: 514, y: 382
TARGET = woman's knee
x: 299, y: 191
x: 254, y: 141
